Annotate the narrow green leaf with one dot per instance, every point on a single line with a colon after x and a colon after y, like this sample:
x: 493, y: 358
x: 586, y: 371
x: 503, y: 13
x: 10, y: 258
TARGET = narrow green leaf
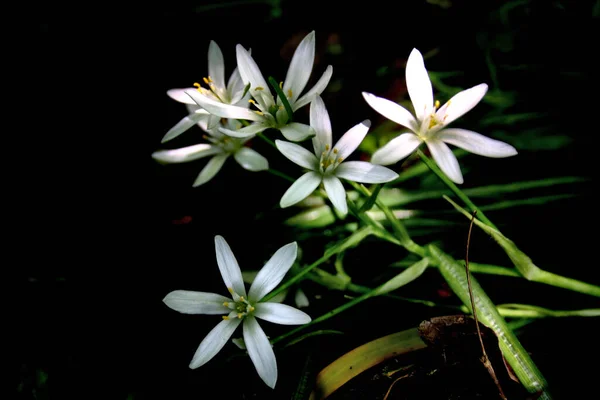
x: 406, y: 276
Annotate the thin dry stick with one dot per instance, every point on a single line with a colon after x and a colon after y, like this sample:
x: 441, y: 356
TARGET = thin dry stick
x: 484, y: 358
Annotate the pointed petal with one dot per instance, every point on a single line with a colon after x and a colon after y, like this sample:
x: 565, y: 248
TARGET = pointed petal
x: 297, y: 154
x: 210, y: 170
x: 245, y: 132
x: 235, y: 86
x: 315, y: 90
x: 214, y: 342
x: 213, y: 122
x: 223, y: 110
x: 273, y: 272
x: 251, y: 160
x: 364, y: 172
x: 391, y: 111
x: 300, y: 189
x: 320, y: 122
x: 189, y: 302
x: 336, y: 193
x: 396, y: 149
x: 281, y: 314
x: 300, y: 299
x: 461, y: 103
x: 260, y: 351
x: 445, y: 159
x: 419, y: 85
x: 300, y: 67
x: 249, y: 70
x: 476, y: 143
x: 181, y: 96
x: 228, y: 265
x: 216, y: 65
x: 186, y: 154
x: 297, y: 132
x: 351, y: 139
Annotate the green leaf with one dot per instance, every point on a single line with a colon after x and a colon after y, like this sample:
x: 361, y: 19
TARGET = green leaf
x: 406, y: 276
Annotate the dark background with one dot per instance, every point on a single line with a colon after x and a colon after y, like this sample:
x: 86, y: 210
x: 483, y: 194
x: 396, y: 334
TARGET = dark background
x: 98, y: 224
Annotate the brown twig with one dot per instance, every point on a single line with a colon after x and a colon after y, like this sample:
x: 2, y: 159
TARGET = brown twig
x: 484, y: 358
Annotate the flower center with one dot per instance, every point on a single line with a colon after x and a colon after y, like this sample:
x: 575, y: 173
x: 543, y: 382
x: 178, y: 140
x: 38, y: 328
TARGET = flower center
x: 240, y: 305
x: 213, y: 88
x: 329, y: 159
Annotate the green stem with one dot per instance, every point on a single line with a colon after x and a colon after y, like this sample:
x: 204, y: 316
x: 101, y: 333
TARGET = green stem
x: 266, y: 139
x: 475, y: 267
x: 436, y: 170
x: 281, y: 175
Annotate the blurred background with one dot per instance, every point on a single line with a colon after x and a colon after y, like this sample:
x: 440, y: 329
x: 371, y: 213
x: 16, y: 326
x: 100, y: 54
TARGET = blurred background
x: 106, y: 232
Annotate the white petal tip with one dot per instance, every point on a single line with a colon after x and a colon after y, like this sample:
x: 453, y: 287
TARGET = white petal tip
x: 367, y: 123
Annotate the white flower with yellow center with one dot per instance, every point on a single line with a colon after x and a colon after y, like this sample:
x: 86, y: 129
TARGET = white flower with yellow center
x: 430, y: 121
x: 242, y: 308
x: 220, y: 147
x: 271, y: 113
x: 327, y: 164
x: 232, y: 93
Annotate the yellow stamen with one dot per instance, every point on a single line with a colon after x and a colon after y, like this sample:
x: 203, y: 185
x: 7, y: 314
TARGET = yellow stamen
x: 432, y: 123
x: 290, y: 93
x: 206, y: 81
x: 196, y: 84
x: 226, y: 304
x: 251, y: 308
x: 281, y: 85
x: 209, y: 79
x: 339, y: 160
x: 242, y: 298
x: 326, y: 147
x: 259, y: 88
x: 335, y: 151
x: 281, y: 107
x: 259, y: 112
x: 251, y: 101
x: 240, y: 315
x: 230, y: 290
x: 437, y: 104
x: 225, y: 317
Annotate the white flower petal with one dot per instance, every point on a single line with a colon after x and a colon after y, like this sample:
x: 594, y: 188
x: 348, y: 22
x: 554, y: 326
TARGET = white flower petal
x: 445, y: 159
x: 300, y: 299
x: 300, y: 67
x: 249, y: 70
x: 352, y: 139
x: 245, y: 132
x: 281, y: 314
x: 213, y: 122
x: 297, y: 154
x: 273, y: 271
x: 392, y: 111
x: 211, y: 169
x: 260, y: 351
x: 320, y: 122
x: 228, y: 266
x: 461, y: 103
x: 181, y: 95
x: 223, y: 110
x: 186, y: 154
x: 297, y: 132
x: 235, y: 87
x: 251, y: 160
x: 396, y: 149
x: 336, y: 193
x: 214, y: 342
x: 189, y: 302
x: 364, y: 172
x: 476, y: 143
x: 419, y: 85
x: 300, y: 189
x: 216, y: 65
x: 315, y: 90
x: 198, y: 117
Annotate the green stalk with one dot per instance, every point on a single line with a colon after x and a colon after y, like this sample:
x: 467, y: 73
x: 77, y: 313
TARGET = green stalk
x: 283, y: 99
x: 436, y: 170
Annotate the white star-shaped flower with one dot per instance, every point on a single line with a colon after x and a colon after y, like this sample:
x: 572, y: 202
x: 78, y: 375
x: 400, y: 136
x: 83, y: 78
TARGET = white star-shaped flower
x: 220, y: 148
x: 430, y: 121
x: 271, y: 113
x: 327, y: 164
x: 242, y: 308
x: 232, y: 93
